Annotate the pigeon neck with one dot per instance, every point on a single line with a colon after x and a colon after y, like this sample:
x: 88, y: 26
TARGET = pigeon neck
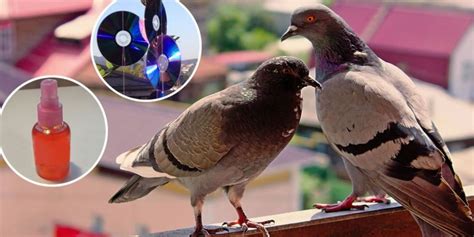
x: 341, y: 49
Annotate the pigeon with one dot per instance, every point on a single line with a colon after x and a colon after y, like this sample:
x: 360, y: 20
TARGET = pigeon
x: 374, y: 117
x: 224, y: 140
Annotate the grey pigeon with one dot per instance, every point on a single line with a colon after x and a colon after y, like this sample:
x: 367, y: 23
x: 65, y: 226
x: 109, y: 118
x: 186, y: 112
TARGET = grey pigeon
x: 373, y: 115
x: 224, y: 140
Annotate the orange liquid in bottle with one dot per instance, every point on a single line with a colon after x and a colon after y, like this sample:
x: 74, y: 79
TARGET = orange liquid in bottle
x: 52, y: 151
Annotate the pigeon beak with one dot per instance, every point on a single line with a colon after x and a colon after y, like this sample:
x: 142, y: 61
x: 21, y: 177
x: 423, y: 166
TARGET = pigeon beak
x: 292, y: 31
x: 309, y: 81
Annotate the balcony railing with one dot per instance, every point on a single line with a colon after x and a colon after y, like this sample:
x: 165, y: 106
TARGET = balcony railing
x: 377, y: 220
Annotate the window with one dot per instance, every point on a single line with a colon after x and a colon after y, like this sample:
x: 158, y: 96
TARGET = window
x: 468, y: 77
x: 6, y: 40
x: 467, y: 70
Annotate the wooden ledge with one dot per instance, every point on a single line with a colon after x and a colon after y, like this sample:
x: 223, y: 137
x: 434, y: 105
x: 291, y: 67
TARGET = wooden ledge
x: 377, y: 220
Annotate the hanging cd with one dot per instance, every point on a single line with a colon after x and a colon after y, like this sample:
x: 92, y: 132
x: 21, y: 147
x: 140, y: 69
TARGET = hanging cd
x: 155, y: 19
x: 119, y: 38
x: 163, y: 64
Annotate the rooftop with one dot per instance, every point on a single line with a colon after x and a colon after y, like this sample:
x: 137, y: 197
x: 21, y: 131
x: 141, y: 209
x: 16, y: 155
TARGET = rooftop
x: 422, y: 30
x: 15, y: 9
x: 357, y: 15
x: 209, y: 69
x: 241, y: 57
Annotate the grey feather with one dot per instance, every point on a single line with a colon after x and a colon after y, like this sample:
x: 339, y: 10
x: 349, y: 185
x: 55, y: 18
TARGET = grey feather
x: 137, y: 187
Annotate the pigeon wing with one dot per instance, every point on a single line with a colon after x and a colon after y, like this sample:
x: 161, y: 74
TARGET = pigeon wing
x: 399, y: 155
x: 188, y: 146
x: 419, y: 108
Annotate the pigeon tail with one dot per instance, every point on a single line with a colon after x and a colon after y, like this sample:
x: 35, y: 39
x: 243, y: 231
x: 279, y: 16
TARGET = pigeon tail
x: 137, y: 187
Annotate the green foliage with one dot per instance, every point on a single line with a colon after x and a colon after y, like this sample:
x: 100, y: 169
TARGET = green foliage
x: 258, y: 38
x: 320, y: 184
x: 109, y: 65
x: 107, y: 69
x: 236, y: 28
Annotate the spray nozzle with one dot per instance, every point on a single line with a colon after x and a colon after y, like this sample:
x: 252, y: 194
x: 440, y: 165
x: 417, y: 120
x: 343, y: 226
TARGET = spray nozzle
x: 49, y: 109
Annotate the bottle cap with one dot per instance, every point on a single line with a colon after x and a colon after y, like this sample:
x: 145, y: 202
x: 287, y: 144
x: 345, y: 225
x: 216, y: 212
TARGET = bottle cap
x: 50, y: 111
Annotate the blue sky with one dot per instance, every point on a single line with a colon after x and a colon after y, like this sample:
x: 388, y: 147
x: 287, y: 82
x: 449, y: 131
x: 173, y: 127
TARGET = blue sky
x: 180, y: 23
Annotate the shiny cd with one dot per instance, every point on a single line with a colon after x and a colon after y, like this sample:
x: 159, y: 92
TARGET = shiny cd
x: 163, y: 64
x: 119, y: 38
x: 155, y: 19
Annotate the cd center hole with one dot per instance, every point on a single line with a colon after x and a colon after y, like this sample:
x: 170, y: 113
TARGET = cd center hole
x: 123, y: 38
x: 163, y: 63
x: 156, y: 22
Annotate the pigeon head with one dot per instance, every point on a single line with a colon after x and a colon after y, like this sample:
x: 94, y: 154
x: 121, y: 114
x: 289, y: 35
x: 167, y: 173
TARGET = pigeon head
x: 333, y: 41
x: 285, y: 73
x: 317, y: 23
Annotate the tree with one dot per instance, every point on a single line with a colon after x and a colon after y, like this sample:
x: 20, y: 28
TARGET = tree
x: 239, y: 28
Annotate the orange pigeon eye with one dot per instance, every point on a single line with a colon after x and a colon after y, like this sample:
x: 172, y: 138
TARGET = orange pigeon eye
x: 310, y: 19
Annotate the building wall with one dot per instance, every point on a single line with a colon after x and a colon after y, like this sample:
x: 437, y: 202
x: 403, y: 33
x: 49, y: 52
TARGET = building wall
x: 430, y: 68
x: 200, y: 10
x: 30, y: 210
x: 29, y: 32
x: 461, y: 75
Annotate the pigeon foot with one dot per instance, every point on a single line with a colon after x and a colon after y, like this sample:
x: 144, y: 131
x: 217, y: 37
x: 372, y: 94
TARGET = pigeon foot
x: 375, y: 199
x: 345, y: 205
x: 246, y: 224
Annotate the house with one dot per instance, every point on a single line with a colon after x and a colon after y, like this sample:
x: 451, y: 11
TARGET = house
x: 25, y: 23
x: 11, y: 78
x: 431, y: 43
x: 64, y: 40
x: 429, y: 40
x: 37, y: 37
x: 241, y: 60
x: 209, y: 77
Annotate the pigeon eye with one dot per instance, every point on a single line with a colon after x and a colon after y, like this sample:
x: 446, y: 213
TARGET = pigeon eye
x: 310, y: 19
x: 285, y: 70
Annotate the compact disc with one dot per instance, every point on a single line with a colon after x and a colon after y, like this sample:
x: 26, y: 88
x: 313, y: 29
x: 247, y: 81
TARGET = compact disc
x: 119, y: 38
x: 155, y: 19
x: 163, y: 64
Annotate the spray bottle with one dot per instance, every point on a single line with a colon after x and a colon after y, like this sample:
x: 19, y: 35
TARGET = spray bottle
x: 51, y: 135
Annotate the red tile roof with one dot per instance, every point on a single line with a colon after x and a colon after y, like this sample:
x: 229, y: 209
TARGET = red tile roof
x: 54, y: 57
x: 241, y: 57
x: 33, y: 8
x: 357, y: 15
x: 209, y: 69
x: 422, y: 30
x: 420, y: 38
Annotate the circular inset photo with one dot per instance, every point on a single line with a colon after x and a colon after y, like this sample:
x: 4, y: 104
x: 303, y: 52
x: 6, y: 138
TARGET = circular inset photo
x: 54, y: 131
x: 146, y: 50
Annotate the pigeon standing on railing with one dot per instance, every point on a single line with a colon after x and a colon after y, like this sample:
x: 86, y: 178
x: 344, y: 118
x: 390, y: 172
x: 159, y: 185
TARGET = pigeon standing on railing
x: 222, y: 141
x: 373, y: 115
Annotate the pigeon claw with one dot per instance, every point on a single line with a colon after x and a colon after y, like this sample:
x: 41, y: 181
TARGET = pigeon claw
x: 246, y: 224
x: 339, y: 207
x: 346, y: 205
x: 375, y: 199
